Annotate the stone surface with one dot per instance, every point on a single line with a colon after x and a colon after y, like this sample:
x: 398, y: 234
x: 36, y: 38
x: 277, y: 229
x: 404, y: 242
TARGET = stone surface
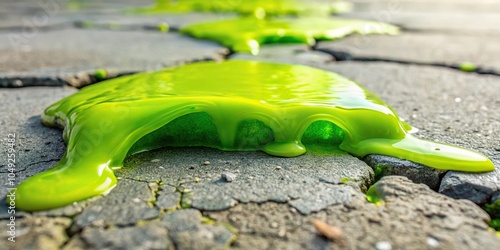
x: 188, y: 231
x: 412, y: 216
x: 127, y: 205
x: 426, y: 48
x: 439, y: 16
x: 35, y: 233
x: 149, y: 236
x: 38, y: 147
x: 478, y: 188
x: 418, y: 173
x: 168, y: 198
x: 309, y: 183
x: 89, y: 50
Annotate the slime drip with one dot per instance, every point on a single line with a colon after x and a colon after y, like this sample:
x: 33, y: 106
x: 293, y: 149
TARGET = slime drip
x: 247, y: 34
x: 233, y: 105
x: 253, y: 7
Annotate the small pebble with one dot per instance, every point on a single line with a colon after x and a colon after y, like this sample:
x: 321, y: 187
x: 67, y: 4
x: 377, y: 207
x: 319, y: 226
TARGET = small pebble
x: 206, y: 163
x: 432, y: 242
x: 155, y: 160
x: 330, y: 232
x: 383, y: 245
x: 282, y: 232
x: 136, y: 200
x: 278, y: 167
x: 274, y: 225
x: 229, y: 177
x: 152, y: 186
x: 196, y: 179
x: 161, y: 167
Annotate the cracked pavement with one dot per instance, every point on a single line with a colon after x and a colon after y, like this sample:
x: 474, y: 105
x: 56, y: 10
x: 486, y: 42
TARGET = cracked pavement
x: 199, y: 198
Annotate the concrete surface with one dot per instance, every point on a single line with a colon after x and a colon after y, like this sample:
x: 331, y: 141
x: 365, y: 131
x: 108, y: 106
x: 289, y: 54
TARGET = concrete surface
x: 199, y: 198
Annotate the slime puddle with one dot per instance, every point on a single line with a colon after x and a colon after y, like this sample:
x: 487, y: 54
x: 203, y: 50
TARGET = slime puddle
x: 247, y: 34
x: 233, y: 105
x: 259, y: 8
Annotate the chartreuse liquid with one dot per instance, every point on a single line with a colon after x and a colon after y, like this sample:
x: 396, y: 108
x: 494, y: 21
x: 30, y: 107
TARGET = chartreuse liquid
x: 247, y: 34
x: 232, y: 105
x: 259, y: 8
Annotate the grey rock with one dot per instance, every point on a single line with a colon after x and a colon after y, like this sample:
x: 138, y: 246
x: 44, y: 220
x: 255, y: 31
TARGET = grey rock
x: 127, y: 204
x: 425, y: 48
x: 149, y: 236
x: 37, y: 233
x: 48, y: 57
x: 418, y: 173
x: 325, y: 196
x: 495, y: 196
x: 444, y: 16
x: 187, y: 231
x: 408, y: 209
x: 478, y: 188
x: 168, y: 198
x: 383, y: 245
x: 303, y: 180
x: 229, y: 177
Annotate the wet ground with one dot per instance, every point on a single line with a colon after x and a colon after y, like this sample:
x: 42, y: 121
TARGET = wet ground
x: 197, y: 198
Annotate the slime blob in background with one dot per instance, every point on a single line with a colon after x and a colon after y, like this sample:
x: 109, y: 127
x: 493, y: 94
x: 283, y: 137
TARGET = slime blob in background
x: 232, y: 105
x: 246, y: 7
x: 247, y: 34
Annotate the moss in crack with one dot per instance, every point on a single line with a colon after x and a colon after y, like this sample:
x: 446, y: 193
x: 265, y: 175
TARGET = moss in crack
x: 154, y: 187
x: 185, y: 201
x: 493, y: 210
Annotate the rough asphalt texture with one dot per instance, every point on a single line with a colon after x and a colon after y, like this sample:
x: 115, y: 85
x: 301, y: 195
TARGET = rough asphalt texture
x: 196, y: 198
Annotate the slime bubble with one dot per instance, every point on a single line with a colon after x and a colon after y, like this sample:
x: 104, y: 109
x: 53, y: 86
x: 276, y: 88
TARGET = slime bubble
x: 247, y: 34
x: 264, y: 7
x: 232, y: 105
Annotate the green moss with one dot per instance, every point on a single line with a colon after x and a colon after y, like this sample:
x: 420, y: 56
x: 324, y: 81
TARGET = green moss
x: 494, y: 211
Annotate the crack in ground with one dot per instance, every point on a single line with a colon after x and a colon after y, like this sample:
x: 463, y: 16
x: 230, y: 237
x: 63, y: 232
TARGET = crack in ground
x: 76, y: 80
x: 445, y: 31
x: 341, y: 56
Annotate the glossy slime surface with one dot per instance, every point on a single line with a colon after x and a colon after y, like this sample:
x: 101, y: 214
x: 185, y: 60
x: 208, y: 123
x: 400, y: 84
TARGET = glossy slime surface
x: 233, y: 105
x: 259, y: 8
x: 247, y: 34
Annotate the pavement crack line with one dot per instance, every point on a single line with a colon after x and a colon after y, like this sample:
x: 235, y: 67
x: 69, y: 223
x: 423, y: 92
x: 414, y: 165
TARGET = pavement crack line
x: 341, y: 56
x: 445, y: 31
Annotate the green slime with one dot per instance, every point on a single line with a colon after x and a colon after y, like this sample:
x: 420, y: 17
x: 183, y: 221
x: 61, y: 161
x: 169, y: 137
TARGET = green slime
x: 259, y: 8
x: 247, y: 34
x: 232, y: 105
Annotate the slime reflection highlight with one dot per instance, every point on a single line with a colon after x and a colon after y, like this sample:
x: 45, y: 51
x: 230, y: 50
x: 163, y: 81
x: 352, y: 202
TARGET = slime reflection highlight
x: 105, y: 122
